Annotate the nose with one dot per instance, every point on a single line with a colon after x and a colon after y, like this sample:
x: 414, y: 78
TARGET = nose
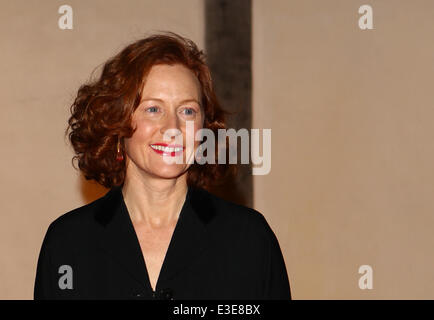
x: 170, y: 125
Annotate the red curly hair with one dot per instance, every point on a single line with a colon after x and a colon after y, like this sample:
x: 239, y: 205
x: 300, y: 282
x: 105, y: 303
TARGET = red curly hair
x: 102, y: 111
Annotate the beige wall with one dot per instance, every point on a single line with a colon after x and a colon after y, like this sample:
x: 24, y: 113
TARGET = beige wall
x: 351, y: 113
x: 41, y: 69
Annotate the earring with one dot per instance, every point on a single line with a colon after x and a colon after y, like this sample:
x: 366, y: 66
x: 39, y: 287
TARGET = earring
x: 119, y: 155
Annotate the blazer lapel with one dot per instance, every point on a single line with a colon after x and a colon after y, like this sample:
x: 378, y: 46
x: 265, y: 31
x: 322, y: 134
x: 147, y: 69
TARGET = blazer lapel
x: 189, y: 238
x: 188, y: 241
x: 118, y: 237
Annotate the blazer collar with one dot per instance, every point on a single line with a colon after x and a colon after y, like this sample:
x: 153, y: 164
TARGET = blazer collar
x: 188, y: 241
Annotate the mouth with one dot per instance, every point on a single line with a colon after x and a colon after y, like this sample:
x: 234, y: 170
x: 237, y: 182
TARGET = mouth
x: 167, y: 150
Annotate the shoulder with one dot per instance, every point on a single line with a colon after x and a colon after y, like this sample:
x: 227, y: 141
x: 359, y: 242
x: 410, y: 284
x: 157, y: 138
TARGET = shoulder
x: 74, y: 221
x: 243, y: 236
x: 236, y: 217
x: 224, y: 208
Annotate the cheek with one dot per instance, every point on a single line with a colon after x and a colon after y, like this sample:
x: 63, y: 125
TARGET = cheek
x: 196, y: 143
x: 144, y: 131
x: 142, y: 136
x: 198, y: 127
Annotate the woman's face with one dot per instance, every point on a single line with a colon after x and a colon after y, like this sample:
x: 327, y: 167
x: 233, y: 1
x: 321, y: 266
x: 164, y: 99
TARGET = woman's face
x: 171, y: 97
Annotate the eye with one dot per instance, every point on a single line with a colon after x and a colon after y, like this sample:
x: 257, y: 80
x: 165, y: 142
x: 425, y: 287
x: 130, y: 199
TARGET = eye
x: 189, y: 111
x: 152, y: 109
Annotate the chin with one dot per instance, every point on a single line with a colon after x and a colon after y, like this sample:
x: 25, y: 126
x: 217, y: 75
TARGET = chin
x: 171, y: 172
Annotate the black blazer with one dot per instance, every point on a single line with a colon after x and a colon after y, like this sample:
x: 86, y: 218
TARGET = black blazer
x: 218, y: 250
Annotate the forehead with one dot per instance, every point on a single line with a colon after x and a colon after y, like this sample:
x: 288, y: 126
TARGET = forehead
x: 171, y: 80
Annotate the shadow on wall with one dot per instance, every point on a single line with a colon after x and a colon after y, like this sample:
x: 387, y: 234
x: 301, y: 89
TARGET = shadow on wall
x: 232, y: 188
x: 91, y: 190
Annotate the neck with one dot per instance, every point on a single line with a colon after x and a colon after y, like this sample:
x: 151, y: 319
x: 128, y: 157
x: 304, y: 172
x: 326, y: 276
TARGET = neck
x: 154, y: 202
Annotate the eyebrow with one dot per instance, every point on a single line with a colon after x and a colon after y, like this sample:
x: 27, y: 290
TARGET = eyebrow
x: 183, y: 101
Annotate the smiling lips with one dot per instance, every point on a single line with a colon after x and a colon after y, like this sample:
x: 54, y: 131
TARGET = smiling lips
x: 168, y: 150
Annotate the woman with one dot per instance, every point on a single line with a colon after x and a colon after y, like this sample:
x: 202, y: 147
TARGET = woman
x: 157, y: 233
